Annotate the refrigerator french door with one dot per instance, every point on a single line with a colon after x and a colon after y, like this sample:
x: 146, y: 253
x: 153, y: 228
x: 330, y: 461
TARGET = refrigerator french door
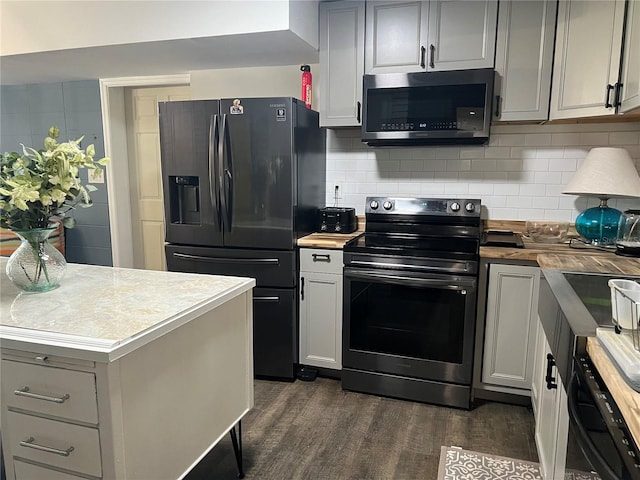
x: 243, y: 179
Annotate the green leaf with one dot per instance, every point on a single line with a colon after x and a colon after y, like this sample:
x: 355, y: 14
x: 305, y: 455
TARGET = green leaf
x: 69, y: 222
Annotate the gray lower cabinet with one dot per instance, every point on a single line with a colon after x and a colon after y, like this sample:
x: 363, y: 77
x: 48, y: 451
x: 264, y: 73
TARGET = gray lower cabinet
x: 321, y: 308
x: 524, y: 57
x: 342, y: 60
x: 510, y: 327
x: 549, y: 397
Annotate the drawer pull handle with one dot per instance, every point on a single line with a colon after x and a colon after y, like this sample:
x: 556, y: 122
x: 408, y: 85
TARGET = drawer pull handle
x: 321, y: 257
x: 24, y: 392
x: 29, y: 444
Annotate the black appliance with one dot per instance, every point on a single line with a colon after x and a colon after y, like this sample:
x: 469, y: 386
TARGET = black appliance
x: 427, y: 107
x: 409, y: 311
x: 243, y: 179
x: 338, y: 220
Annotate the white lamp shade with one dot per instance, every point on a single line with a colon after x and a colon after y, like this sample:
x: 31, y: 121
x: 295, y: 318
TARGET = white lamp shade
x: 606, y: 172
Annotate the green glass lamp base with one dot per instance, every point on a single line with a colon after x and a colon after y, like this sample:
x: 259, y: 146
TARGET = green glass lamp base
x: 599, y: 225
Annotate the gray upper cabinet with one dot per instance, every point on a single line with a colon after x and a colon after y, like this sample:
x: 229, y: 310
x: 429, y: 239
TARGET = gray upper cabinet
x: 587, y: 58
x: 342, y: 61
x: 524, y: 57
x: 396, y: 36
x: 462, y: 34
x: 630, y: 93
x: 430, y: 36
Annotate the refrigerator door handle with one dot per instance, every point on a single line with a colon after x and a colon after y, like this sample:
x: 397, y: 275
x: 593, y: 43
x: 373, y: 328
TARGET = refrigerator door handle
x: 226, y: 173
x: 214, y: 133
x: 260, y: 261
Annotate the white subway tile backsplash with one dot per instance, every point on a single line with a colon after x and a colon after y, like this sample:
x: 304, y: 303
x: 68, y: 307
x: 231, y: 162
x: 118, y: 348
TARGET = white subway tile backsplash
x: 537, y: 139
x: 458, y: 165
x: 563, y: 164
x: 549, y: 203
x: 552, y: 178
x: 484, y: 165
x: 624, y: 138
x: 520, y: 175
x: 521, y: 201
x: 594, y: 138
x: 535, y: 164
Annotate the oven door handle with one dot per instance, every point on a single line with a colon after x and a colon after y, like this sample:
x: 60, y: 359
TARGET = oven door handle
x: 460, y: 283
x: 582, y: 436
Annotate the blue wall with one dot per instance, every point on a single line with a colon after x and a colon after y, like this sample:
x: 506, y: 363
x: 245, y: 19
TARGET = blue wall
x: 26, y: 113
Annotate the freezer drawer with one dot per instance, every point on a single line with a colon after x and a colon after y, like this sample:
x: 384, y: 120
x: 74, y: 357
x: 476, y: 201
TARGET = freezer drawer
x: 269, y: 268
x: 275, y: 333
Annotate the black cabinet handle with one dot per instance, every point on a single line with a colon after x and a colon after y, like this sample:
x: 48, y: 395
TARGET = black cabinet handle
x: 498, y: 105
x: 607, y: 102
x: 432, y: 54
x: 617, y: 100
x: 423, y: 53
x: 321, y: 257
x: 358, y: 106
x: 551, y: 381
x: 301, y: 288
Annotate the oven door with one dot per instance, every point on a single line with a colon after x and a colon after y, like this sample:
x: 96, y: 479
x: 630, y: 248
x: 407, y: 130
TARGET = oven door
x: 597, y: 427
x: 409, y: 324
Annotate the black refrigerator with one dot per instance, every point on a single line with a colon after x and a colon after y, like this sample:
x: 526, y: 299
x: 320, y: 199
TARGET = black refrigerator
x: 243, y: 179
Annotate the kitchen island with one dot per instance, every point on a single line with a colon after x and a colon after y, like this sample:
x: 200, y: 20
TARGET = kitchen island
x: 121, y: 373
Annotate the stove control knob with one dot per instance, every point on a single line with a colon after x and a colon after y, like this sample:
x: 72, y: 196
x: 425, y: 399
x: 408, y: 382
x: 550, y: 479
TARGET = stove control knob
x: 470, y: 207
x: 387, y: 205
x: 373, y: 205
x: 455, y: 206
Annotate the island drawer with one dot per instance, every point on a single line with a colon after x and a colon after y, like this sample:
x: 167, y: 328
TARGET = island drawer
x: 27, y: 471
x: 321, y: 260
x: 60, y: 444
x: 48, y: 390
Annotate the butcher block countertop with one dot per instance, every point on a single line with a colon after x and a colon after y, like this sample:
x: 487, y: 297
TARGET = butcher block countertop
x: 600, y: 263
x: 327, y: 240
x: 627, y: 399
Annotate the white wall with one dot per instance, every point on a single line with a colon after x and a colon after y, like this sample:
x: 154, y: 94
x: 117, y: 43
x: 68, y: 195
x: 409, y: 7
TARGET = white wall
x: 520, y: 175
x: 250, y: 82
x: 47, y: 25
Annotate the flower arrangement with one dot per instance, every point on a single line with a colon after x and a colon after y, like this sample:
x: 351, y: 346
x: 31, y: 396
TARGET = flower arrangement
x: 40, y: 186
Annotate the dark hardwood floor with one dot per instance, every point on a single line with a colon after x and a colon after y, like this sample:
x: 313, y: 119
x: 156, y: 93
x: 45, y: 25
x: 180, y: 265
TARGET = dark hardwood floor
x: 316, y: 431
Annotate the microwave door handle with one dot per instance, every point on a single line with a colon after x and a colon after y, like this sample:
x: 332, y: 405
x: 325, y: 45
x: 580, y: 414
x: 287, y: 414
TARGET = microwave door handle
x: 214, y: 131
x: 582, y: 436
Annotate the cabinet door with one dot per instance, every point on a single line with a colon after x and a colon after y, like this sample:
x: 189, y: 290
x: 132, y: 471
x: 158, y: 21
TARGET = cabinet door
x: 342, y: 61
x: 321, y: 320
x: 631, y: 64
x: 510, y: 334
x: 462, y: 34
x: 524, y: 56
x: 587, y: 58
x: 396, y: 36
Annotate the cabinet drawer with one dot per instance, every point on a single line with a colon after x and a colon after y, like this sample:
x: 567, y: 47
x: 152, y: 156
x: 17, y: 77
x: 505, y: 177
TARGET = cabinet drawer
x: 82, y: 444
x: 321, y: 260
x: 49, y: 390
x: 27, y: 471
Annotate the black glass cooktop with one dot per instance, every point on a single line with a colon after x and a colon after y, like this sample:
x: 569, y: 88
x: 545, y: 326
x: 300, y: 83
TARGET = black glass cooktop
x: 594, y: 292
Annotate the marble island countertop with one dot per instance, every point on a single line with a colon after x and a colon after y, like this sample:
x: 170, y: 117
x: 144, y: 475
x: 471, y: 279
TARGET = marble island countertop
x: 107, y: 312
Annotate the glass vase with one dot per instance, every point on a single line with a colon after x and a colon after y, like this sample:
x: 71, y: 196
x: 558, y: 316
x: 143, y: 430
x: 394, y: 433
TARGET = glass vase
x: 36, y: 265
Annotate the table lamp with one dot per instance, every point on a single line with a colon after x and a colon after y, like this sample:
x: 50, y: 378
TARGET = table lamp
x: 605, y: 172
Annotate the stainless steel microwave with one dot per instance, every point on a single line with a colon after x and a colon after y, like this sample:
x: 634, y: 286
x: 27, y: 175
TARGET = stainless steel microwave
x: 427, y: 108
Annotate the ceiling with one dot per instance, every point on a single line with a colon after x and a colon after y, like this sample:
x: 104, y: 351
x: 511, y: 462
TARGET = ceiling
x: 157, y: 58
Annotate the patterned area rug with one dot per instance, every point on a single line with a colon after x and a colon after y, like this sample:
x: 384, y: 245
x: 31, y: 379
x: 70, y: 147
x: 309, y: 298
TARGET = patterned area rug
x: 459, y: 464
